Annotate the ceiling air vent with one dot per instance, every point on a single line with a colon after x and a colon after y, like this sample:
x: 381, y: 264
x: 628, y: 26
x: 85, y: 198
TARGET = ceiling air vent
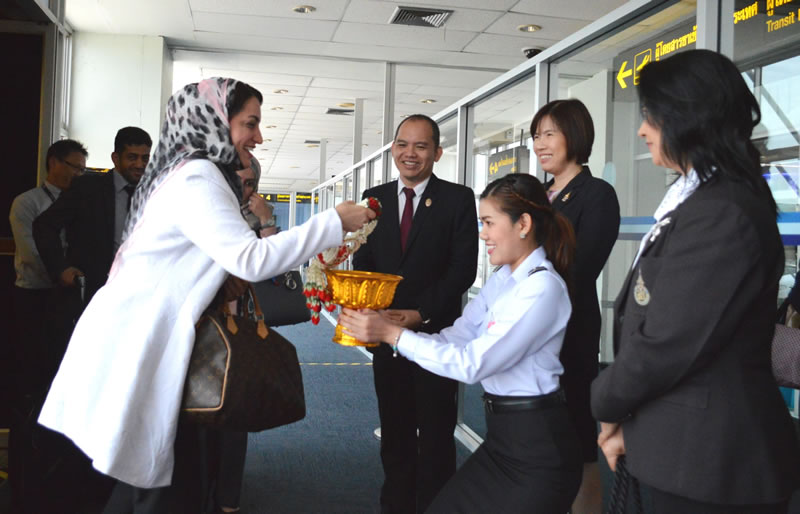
x: 419, y: 17
x: 311, y: 142
x: 339, y: 112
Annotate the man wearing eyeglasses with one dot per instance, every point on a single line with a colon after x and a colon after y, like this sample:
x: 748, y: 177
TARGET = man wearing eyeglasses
x: 32, y: 356
x: 92, y: 216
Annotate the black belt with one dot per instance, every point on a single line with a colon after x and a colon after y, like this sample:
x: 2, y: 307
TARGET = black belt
x: 498, y: 404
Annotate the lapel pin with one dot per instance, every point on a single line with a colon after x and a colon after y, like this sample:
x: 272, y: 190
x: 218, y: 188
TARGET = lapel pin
x: 566, y: 197
x: 428, y: 202
x: 657, y: 228
x: 640, y: 292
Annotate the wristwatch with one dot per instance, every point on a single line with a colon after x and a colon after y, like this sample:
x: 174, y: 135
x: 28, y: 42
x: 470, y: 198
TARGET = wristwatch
x: 425, y: 318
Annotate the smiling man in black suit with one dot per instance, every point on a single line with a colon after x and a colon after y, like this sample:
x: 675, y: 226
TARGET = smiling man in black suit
x: 428, y: 234
x: 93, y: 216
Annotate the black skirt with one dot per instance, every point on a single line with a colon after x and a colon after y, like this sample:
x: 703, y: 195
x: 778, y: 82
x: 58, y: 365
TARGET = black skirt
x: 530, y: 462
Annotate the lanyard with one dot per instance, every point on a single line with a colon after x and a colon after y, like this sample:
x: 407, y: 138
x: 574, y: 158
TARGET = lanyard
x: 47, y: 191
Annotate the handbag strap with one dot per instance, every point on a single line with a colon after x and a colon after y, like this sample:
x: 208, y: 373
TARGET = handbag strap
x: 261, y: 327
x: 624, y: 483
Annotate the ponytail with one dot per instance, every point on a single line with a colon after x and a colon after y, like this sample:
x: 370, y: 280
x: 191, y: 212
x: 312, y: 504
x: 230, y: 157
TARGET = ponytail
x: 559, y: 244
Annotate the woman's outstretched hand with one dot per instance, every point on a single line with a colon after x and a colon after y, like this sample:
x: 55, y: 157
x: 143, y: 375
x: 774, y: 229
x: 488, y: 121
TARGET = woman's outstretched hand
x: 354, y: 216
x: 368, y: 326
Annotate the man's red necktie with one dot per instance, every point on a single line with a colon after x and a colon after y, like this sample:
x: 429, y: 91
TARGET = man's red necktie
x: 408, y: 216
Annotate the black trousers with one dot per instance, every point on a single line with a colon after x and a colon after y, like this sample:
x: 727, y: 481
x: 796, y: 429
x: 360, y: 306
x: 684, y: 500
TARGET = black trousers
x: 530, y: 462
x: 188, y: 492
x: 47, y: 472
x: 667, y: 503
x: 410, y: 399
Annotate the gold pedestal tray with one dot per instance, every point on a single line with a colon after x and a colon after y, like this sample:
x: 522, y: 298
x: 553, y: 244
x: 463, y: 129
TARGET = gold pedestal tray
x: 360, y: 290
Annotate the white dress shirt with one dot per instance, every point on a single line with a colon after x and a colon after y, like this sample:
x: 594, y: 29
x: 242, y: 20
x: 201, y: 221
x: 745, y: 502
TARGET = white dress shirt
x: 118, y: 391
x: 509, y: 336
x: 677, y: 193
x: 31, y: 273
x: 401, y: 200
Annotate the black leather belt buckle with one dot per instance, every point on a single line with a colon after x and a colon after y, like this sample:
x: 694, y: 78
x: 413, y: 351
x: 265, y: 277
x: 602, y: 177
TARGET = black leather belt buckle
x: 497, y: 405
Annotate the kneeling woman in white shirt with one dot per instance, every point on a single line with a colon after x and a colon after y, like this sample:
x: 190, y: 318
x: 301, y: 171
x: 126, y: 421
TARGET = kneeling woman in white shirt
x: 508, y: 338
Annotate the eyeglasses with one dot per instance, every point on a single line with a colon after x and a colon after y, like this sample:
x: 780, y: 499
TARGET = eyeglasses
x: 80, y: 170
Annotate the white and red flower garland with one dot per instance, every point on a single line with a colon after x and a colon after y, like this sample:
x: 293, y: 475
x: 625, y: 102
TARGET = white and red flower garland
x: 316, y: 287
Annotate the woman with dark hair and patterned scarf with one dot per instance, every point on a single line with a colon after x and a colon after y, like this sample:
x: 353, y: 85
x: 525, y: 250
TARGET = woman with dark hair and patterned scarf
x: 118, y: 392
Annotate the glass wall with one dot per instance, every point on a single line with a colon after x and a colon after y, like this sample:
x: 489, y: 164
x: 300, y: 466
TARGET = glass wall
x: 501, y: 144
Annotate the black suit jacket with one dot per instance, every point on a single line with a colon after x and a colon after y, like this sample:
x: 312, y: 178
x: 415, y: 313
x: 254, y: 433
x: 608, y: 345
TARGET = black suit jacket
x: 692, y: 383
x: 440, y: 261
x: 591, y: 205
x: 86, y: 212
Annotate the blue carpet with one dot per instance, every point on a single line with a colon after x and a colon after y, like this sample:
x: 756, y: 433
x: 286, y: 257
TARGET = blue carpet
x: 329, y: 462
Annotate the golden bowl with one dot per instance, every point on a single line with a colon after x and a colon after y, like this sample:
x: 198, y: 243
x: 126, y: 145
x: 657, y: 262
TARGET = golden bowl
x: 360, y: 290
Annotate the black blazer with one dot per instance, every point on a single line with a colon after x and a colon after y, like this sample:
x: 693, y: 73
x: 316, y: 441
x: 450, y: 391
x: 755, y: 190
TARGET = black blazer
x: 692, y: 382
x: 86, y: 212
x: 591, y: 205
x: 440, y: 261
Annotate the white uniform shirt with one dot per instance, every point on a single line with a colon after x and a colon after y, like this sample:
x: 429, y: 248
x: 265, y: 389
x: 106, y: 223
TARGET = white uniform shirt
x: 118, y: 391
x: 509, y: 337
x: 401, y: 196
x: 31, y: 273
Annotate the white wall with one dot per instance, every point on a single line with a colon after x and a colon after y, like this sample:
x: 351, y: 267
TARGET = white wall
x: 117, y: 81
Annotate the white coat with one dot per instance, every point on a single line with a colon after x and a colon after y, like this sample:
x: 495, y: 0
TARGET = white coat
x: 118, y: 391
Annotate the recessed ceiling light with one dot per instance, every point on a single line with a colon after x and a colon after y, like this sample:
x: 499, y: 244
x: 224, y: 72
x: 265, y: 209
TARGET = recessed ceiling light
x: 365, y: 144
x: 312, y: 146
x: 428, y: 101
x: 267, y: 140
x: 276, y: 108
x: 347, y: 104
x: 404, y: 115
x: 529, y: 28
x: 271, y: 126
x: 293, y: 167
x: 280, y: 91
x: 304, y: 9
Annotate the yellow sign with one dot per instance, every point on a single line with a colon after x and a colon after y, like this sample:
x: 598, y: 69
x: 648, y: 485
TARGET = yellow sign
x: 639, y: 61
x: 782, y: 23
x: 772, y: 4
x: 667, y: 47
x: 623, y: 74
x: 745, y: 13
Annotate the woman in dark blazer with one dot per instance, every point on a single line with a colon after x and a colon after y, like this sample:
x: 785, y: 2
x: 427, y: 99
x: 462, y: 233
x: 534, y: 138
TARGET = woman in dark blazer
x: 563, y: 134
x: 690, y: 399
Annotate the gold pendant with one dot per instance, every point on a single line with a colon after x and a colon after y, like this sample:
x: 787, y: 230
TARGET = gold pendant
x: 566, y: 197
x: 640, y: 292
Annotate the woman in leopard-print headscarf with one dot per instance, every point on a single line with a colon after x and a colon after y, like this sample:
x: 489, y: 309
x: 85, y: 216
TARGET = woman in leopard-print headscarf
x: 118, y: 391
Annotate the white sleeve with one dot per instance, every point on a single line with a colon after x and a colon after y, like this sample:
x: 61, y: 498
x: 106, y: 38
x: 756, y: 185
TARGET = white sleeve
x: 540, y: 309
x: 212, y: 220
x: 21, y: 216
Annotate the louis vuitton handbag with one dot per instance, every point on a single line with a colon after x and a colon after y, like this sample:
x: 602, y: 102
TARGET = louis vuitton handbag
x: 242, y: 375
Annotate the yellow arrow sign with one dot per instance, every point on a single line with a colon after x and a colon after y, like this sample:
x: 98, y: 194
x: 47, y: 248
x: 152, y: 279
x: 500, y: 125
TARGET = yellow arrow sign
x: 623, y: 74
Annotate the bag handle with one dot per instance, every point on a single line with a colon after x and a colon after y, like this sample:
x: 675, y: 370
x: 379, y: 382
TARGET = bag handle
x: 261, y: 329
x: 624, y: 483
